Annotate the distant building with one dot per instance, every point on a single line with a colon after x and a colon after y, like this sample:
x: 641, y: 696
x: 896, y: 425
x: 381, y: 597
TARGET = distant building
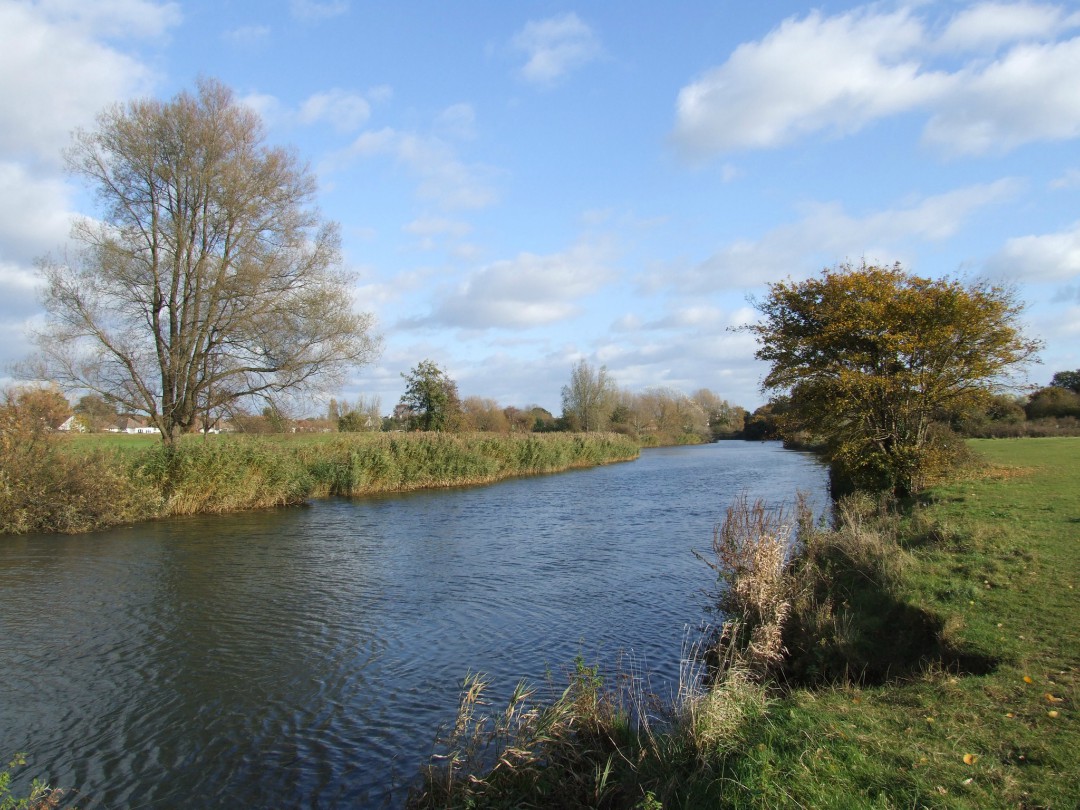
x: 132, y: 424
x: 72, y: 424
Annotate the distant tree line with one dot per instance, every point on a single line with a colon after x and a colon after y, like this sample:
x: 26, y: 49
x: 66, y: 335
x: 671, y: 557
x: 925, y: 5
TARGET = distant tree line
x: 1052, y: 410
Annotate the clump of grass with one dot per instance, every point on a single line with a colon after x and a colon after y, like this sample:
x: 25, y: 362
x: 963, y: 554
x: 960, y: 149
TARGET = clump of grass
x: 224, y: 476
x: 600, y: 743
x: 752, y: 548
x: 41, y: 795
x: 563, y: 753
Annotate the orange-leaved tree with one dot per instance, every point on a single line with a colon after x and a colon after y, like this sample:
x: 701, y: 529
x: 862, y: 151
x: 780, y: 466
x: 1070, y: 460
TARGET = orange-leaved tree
x: 871, y: 358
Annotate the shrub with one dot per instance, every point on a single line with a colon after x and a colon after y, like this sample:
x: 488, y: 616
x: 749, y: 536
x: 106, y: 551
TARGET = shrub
x: 43, y: 489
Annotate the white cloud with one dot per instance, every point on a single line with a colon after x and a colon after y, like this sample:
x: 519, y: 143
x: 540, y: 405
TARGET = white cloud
x: 313, y: 11
x: 821, y: 73
x: 343, y: 110
x: 835, y: 75
x: 827, y: 233
x: 555, y: 46
x: 443, y: 177
x: 1046, y: 257
x: 458, y: 121
x: 56, y: 75
x: 988, y: 25
x: 34, y: 216
x: 247, y: 34
x: 529, y: 290
x: 1030, y: 94
x: 1070, y: 179
x: 113, y: 18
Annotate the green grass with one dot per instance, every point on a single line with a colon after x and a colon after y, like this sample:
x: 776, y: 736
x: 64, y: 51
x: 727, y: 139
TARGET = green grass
x: 996, y: 555
x: 983, y: 716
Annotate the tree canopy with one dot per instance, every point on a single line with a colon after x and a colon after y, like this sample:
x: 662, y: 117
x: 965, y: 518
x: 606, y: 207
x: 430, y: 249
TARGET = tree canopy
x: 431, y: 398
x: 210, y: 276
x: 871, y: 357
x: 1067, y: 379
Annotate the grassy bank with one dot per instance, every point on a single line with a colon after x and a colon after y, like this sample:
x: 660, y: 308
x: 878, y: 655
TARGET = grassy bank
x: 83, y: 483
x: 932, y: 660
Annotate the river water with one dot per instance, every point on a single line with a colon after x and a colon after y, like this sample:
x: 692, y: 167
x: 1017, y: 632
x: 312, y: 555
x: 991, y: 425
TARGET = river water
x: 306, y: 657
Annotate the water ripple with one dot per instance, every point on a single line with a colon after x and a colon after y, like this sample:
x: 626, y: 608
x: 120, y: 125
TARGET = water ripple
x: 307, y: 657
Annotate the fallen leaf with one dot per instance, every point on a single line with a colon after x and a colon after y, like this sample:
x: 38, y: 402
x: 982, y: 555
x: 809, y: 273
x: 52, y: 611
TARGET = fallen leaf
x: 1052, y: 714
x: 1028, y: 679
x: 1009, y: 714
x: 1051, y: 699
x: 970, y: 759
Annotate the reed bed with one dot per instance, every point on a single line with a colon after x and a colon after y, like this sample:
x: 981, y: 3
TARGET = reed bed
x: 371, y: 463
x: 48, y: 485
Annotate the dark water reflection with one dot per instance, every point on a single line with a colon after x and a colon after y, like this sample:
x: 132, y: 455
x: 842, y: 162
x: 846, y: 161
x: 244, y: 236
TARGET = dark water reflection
x: 305, y: 658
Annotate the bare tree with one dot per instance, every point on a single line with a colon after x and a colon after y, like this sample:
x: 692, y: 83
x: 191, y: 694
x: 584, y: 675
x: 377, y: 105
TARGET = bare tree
x: 589, y: 398
x: 211, y: 277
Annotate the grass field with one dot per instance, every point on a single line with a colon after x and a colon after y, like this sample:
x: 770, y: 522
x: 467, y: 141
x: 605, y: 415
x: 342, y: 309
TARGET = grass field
x: 994, y: 558
x: 1000, y: 565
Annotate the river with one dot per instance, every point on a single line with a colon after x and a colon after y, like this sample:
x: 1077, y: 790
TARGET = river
x: 306, y: 657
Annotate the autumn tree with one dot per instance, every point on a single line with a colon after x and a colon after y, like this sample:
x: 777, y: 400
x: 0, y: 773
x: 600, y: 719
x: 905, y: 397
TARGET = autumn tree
x: 209, y: 278
x: 589, y: 397
x: 431, y: 398
x: 724, y: 419
x: 871, y: 357
x: 95, y: 413
x: 484, y: 415
x: 43, y: 405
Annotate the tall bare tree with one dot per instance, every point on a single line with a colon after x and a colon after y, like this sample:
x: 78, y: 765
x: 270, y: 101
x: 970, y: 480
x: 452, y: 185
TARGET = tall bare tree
x: 211, y: 276
x: 589, y: 398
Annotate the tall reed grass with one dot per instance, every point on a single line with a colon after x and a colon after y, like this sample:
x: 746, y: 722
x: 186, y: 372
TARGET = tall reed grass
x: 45, y: 487
x: 361, y: 464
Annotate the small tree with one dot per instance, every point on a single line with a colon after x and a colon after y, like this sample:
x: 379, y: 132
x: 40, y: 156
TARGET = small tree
x: 363, y: 417
x: 44, y: 405
x: 431, y: 398
x: 589, y: 398
x: 95, y: 413
x: 872, y: 356
x: 210, y: 277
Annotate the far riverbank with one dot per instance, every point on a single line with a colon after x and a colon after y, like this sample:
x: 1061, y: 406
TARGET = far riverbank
x: 71, y: 486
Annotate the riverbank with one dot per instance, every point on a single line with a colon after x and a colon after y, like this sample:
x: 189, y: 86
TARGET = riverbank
x: 970, y: 597
x: 76, y: 485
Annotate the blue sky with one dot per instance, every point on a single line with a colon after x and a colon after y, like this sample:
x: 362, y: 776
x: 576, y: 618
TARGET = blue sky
x: 523, y: 185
